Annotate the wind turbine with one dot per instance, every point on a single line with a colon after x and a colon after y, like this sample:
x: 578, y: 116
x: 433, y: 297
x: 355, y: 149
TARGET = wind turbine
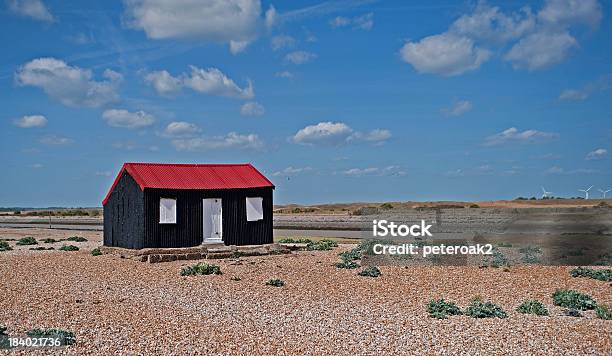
x: 545, y: 194
x: 603, y: 192
x: 586, y: 192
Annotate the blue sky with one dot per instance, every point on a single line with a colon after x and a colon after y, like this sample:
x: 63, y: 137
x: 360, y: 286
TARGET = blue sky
x: 334, y: 101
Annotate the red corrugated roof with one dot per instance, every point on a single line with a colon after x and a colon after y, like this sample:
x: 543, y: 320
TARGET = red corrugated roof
x: 193, y: 176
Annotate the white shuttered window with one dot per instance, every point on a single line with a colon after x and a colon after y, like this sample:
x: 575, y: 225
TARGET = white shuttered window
x: 254, y: 209
x: 167, y: 211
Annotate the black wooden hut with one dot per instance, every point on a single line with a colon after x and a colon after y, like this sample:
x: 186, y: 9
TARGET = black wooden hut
x: 184, y: 205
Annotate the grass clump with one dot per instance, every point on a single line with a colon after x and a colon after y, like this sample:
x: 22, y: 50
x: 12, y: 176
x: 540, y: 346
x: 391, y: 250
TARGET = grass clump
x: 28, y: 240
x: 4, y: 246
x: 604, y: 312
x: 96, y: 252
x: 532, y: 307
x: 480, y: 309
x: 598, y: 274
x: 371, y: 271
x: 41, y: 248
x: 200, y: 268
x: 76, y: 239
x: 69, y: 248
x: 275, y: 282
x: 572, y: 299
x: 289, y: 240
x: 321, y: 245
x: 49, y: 240
x: 347, y: 264
x: 66, y: 337
x: 441, y: 309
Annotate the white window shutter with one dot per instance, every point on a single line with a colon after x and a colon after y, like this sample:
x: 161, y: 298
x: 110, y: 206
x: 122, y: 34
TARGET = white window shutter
x: 254, y: 208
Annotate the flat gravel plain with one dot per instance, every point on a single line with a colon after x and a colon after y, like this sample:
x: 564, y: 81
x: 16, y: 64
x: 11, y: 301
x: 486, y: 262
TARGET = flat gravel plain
x: 120, y: 306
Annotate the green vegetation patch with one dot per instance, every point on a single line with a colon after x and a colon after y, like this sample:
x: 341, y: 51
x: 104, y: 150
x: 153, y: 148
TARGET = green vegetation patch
x: 572, y: 299
x: 28, y: 240
x: 275, y: 282
x: 49, y: 241
x: 532, y: 307
x: 301, y: 240
x: 441, y: 309
x: 41, y: 248
x: 598, y: 274
x: 321, y: 245
x: 76, y: 239
x: 66, y: 337
x: 4, y: 246
x: 531, y: 254
x: 69, y: 248
x: 604, y: 312
x: 347, y: 264
x: 96, y: 252
x: 371, y: 271
x: 200, y: 268
x: 480, y: 309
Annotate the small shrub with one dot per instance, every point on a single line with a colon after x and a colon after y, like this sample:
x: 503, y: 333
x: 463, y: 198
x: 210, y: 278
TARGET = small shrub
x: 480, y: 309
x: 441, y: 309
x: 200, y: 268
x: 48, y: 240
x: 604, y: 312
x: 532, y: 307
x: 66, y: 337
x: 572, y: 312
x: 96, y: 252
x: 237, y: 254
x: 530, y: 254
x: 4, y: 246
x: 28, y: 240
x: 371, y: 271
x: 41, y: 248
x: 69, y: 248
x: 289, y: 240
x: 275, y: 282
x: 599, y: 274
x: 347, y: 264
x: 386, y: 206
x: 351, y: 255
x: 321, y: 245
x: 572, y: 299
x: 76, y: 239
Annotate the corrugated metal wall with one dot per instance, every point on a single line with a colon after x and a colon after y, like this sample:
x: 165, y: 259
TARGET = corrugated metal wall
x: 189, y: 225
x: 124, y: 215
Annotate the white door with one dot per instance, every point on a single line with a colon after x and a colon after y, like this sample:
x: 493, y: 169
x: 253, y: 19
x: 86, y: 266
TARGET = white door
x: 212, y: 220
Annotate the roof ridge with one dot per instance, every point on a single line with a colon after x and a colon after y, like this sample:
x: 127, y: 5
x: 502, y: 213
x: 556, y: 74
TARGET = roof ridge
x: 186, y: 164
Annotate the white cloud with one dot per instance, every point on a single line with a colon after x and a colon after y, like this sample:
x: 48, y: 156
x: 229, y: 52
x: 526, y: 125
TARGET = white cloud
x: 291, y: 171
x: 35, y: 9
x: 513, y: 135
x: 375, y: 171
x: 126, y: 119
x: 213, y: 82
x: 252, y: 108
x: 238, y: 46
x: 128, y: 146
x: 72, y: 86
x: 488, y: 23
x: 284, y: 74
x: 323, y: 133
x: 271, y: 17
x: 459, y: 108
x: 36, y: 166
x: 181, y: 129
x: 563, y: 171
x: 231, y: 140
x: 335, y: 133
x: 300, y: 57
x: 364, y: 22
x: 209, y: 81
x: 281, y: 41
x: 569, y: 12
x: 572, y: 94
x: 212, y: 20
x: 445, y: 54
x: 30, y: 121
x: 54, y: 140
x: 541, y: 50
x: 597, y: 154
x: 163, y: 82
